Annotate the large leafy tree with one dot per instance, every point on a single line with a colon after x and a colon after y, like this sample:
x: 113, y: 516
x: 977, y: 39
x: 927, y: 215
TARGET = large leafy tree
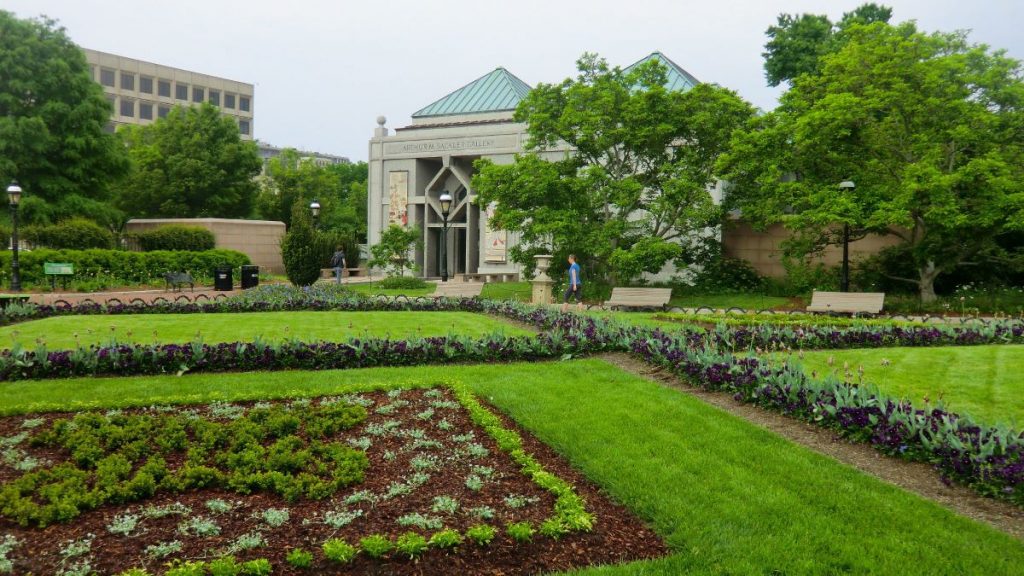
x: 796, y: 43
x: 52, y: 115
x: 634, y: 186
x: 929, y: 127
x: 193, y: 163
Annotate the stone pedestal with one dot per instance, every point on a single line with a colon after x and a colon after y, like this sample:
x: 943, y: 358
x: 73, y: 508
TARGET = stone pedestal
x: 542, y: 283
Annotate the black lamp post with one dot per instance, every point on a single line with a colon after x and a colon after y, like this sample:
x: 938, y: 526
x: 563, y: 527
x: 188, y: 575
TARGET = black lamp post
x: 844, y: 285
x: 446, y: 206
x: 14, y: 195
x: 314, y: 208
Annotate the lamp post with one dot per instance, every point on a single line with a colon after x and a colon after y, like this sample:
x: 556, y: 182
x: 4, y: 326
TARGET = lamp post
x: 14, y: 196
x: 844, y: 284
x: 446, y: 205
x: 314, y: 208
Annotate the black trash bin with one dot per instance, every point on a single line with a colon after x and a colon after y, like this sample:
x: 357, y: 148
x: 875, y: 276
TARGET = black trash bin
x: 250, y: 277
x: 222, y: 279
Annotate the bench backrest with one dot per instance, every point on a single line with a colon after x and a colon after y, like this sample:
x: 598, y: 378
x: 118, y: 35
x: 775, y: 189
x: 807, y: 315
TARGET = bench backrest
x: 464, y: 289
x: 870, y: 302
x: 58, y: 268
x: 640, y: 296
x: 178, y: 277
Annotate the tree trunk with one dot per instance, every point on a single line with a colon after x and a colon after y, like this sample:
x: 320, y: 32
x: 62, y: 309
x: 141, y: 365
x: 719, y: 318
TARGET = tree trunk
x: 927, y: 284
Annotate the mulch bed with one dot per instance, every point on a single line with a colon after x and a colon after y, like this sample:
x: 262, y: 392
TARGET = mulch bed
x: 618, y: 536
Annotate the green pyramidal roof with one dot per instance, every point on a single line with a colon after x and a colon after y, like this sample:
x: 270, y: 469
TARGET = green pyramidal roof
x: 678, y: 79
x: 496, y: 91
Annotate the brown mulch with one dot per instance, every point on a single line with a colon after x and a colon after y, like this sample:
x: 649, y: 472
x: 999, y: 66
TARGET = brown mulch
x: 618, y: 536
x: 916, y: 477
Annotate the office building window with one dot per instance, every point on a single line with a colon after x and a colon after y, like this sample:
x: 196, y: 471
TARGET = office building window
x: 145, y: 111
x: 145, y: 84
x: 163, y: 111
x: 243, y: 103
x: 107, y: 77
x: 181, y: 91
x: 198, y: 93
x: 127, y: 107
x: 92, y: 71
x: 112, y: 99
x: 243, y: 127
x: 127, y: 81
x: 229, y: 101
x: 214, y: 97
x: 163, y: 88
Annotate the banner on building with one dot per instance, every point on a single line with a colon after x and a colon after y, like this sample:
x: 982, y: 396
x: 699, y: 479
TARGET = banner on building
x: 398, y: 195
x: 495, y: 241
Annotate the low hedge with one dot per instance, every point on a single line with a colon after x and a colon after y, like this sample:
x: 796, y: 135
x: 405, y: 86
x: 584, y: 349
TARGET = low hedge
x: 124, y: 267
x: 177, y: 237
x: 74, y: 234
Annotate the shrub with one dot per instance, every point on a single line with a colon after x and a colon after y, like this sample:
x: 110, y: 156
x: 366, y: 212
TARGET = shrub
x: 300, y: 558
x: 402, y: 283
x: 520, y: 531
x: 224, y: 566
x: 74, y: 234
x: 337, y: 550
x: 258, y: 567
x: 392, y: 252
x: 482, y: 534
x: 446, y: 539
x: 726, y: 275
x: 376, y: 545
x: 177, y: 237
x: 119, y: 266
x: 304, y: 250
x: 411, y: 544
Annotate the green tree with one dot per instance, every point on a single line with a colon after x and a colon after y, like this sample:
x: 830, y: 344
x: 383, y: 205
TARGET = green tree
x: 635, y: 186
x: 929, y: 127
x: 52, y: 115
x: 340, y: 189
x: 392, y: 252
x: 193, y: 163
x: 304, y: 250
x: 797, y: 42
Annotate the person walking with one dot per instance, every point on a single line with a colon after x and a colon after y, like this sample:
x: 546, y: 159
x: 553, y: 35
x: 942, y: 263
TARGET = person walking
x: 338, y: 263
x: 575, y: 289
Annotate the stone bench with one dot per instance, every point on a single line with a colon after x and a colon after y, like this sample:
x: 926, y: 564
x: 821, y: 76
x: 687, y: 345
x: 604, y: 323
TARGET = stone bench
x: 458, y: 289
x: 490, y: 277
x: 639, y: 298
x: 346, y: 273
x: 847, y: 302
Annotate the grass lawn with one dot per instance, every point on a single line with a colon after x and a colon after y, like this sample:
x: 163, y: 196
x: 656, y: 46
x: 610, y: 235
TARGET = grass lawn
x: 983, y: 381
x: 521, y: 291
x: 725, y: 301
x: 730, y: 498
x: 59, y: 332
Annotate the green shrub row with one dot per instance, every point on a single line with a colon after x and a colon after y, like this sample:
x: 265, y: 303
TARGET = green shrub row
x: 177, y: 237
x: 122, y: 267
x: 223, y: 566
x: 74, y: 234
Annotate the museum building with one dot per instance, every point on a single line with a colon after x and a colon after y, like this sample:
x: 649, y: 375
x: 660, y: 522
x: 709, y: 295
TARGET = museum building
x: 411, y: 168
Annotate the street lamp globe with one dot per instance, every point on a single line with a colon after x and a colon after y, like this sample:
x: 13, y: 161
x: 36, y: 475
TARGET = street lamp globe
x: 14, y: 193
x: 314, y: 207
x: 446, y: 203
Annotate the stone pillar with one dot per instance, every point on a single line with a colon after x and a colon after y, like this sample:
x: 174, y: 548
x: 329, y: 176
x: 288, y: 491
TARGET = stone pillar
x: 541, y: 281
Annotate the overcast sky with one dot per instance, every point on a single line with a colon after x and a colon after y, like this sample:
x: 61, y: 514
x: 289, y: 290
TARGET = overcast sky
x: 325, y: 69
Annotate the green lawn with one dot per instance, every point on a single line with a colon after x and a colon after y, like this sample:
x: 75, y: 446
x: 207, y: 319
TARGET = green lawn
x: 725, y: 301
x: 521, y: 291
x: 60, y: 332
x: 729, y: 497
x: 983, y: 381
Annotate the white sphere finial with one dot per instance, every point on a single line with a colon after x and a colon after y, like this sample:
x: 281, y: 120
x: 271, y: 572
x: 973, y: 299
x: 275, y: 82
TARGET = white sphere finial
x: 381, y: 120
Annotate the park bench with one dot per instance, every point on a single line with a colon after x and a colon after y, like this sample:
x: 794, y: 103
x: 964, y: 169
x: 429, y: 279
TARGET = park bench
x: 8, y: 299
x: 347, y: 273
x: 54, y: 269
x: 847, y: 302
x: 458, y: 289
x: 491, y: 277
x: 177, y: 281
x: 639, y: 298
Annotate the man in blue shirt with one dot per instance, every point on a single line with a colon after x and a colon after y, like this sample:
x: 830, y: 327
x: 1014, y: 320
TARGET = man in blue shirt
x: 575, y: 285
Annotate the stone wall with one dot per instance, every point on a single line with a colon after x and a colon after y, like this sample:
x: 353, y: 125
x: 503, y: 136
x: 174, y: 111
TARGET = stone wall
x: 763, y: 250
x: 259, y: 239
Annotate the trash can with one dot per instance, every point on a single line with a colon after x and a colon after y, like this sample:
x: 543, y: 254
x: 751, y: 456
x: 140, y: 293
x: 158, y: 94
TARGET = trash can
x: 250, y: 276
x: 222, y: 279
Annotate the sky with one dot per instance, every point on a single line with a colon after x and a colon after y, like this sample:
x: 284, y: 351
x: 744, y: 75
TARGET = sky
x: 324, y: 70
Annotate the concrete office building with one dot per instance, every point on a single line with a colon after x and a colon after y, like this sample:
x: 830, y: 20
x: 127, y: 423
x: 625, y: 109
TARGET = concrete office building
x: 412, y: 167
x: 268, y: 151
x: 141, y: 92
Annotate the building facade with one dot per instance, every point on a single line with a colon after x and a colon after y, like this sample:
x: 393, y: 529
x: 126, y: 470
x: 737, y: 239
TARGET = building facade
x: 268, y: 151
x: 141, y: 92
x: 410, y: 168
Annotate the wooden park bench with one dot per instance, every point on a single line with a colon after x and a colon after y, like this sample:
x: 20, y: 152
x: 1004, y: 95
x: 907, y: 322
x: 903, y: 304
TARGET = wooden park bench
x: 639, y: 298
x: 847, y: 302
x: 54, y: 269
x: 458, y: 289
x: 177, y: 280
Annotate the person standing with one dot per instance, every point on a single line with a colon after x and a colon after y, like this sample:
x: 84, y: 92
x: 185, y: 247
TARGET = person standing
x: 338, y: 263
x: 575, y: 289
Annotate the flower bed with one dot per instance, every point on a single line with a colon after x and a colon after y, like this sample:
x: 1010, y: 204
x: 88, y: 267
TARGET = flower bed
x: 989, y: 459
x: 403, y: 481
